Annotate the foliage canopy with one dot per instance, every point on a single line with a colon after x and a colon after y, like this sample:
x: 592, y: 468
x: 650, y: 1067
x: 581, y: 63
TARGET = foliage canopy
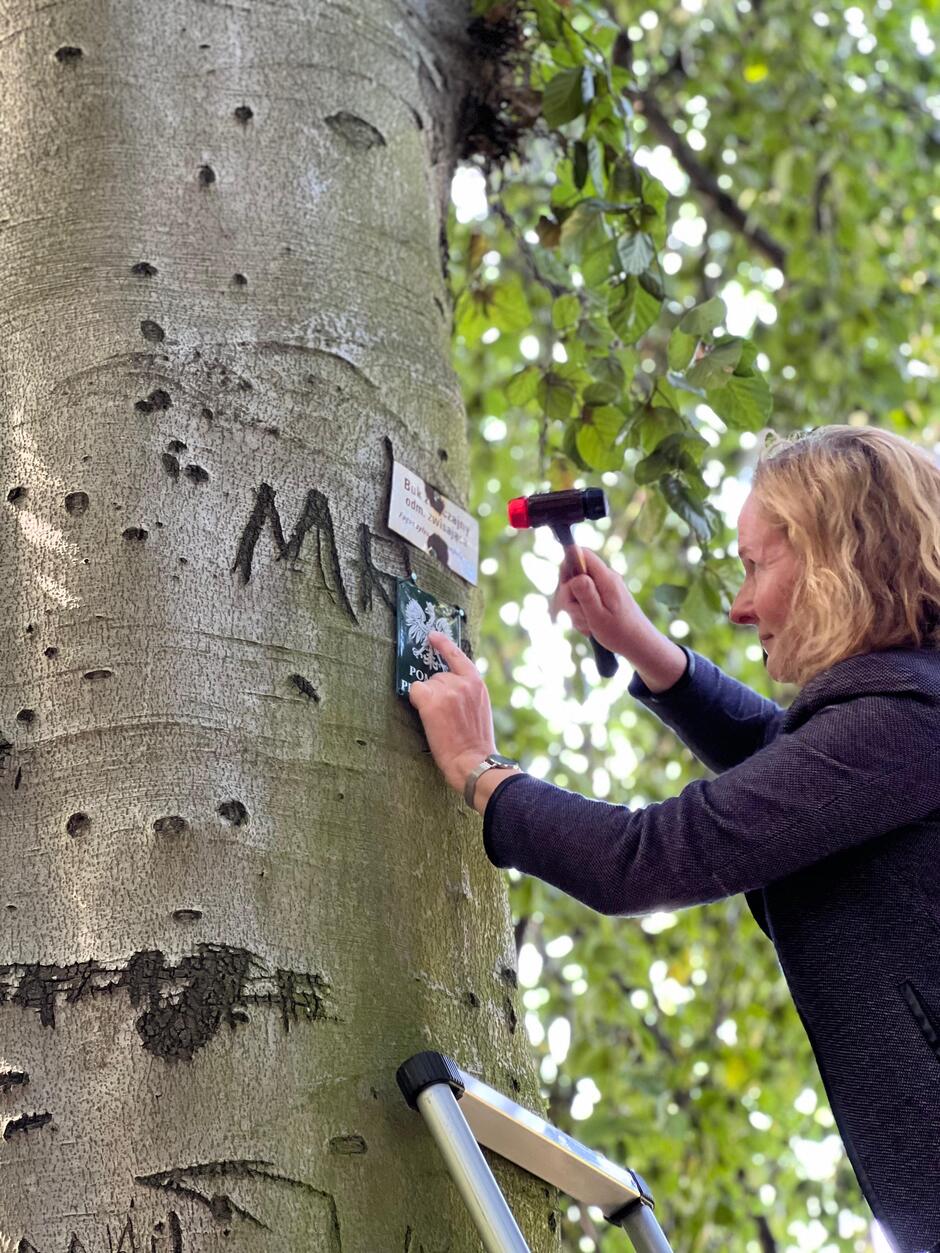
x: 722, y: 217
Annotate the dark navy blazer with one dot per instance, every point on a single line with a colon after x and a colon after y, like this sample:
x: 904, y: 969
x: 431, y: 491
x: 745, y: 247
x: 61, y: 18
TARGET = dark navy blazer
x: 827, y: 815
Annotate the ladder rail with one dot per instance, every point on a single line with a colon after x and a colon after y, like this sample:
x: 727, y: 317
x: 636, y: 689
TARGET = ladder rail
x: 462, y: 1113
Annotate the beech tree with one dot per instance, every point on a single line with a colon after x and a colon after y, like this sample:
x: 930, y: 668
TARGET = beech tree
x: 236, y: 892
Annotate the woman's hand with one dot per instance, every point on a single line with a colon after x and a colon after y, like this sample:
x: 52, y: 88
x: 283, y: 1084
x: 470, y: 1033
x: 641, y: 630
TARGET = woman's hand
x: 598, y: 603
x: 454, y: 707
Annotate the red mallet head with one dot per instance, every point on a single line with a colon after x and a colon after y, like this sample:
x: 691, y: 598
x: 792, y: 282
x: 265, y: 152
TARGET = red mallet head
x: 557, y: 508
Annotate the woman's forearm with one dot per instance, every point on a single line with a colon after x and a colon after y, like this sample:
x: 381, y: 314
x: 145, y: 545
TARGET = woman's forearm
x: 657, y: 660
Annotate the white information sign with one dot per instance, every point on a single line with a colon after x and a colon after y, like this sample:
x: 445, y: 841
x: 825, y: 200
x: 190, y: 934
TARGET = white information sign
x: 433, y: 523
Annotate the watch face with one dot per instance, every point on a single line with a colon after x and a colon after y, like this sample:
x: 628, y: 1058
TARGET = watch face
x: 503, y: 761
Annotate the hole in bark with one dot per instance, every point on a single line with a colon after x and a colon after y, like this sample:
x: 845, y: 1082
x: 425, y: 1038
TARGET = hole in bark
x: 176, y: 445
x: 509, y: 976
x: 171, y: 465
x: 15, y: 494
x: 206, y: 175
x: 350, y: 1145
x: 197, y: 474
x: 158, y: 399
x: 51, y: 651
x: 29, y: 628
x: 305, y: 686
x: 221, y: 1208
x: 173, y: 824
x: 136, y: 534
x: 233, y: 812
x: 442, y: 453
x: 243, y: 114
x: 76, y: 503
x: 19, y: 778
x: 144, y: 269
x: 68, y: 54
x: 77, y: 824
x: 511, y: 1020
x: 152, y: 330
x: 271, y: 430
x: 239, y: 280
x: 207, y: 413
x: 26, y: 715
x: 187, y: 915
x: 440, y: 307
x: 357, y: 132
x: 95, y: 675
x: 472, y: 1000
x: 245, y: 385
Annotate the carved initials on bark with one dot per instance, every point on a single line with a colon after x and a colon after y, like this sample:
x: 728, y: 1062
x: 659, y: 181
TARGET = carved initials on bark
x: 315, y: 513
x: 184, y: 1005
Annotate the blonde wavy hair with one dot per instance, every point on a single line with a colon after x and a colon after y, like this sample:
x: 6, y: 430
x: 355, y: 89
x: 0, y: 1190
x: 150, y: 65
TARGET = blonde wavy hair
x: 861, y: 509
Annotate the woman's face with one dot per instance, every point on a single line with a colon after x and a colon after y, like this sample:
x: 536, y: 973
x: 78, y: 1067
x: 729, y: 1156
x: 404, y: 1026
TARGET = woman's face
x: 770, y: 573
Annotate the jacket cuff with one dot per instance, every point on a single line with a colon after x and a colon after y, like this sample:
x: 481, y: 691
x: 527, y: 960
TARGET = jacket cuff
x: 489, y: 813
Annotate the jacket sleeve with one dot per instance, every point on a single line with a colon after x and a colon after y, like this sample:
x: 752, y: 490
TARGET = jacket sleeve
x: 851, y: 772
x: 721, y: 720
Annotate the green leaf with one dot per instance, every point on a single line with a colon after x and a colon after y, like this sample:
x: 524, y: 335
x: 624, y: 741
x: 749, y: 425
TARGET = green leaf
x: 635, y: 252
x: 563, y: 98
x: 595, y: 158
x: 654, y: 424
x: 523, y: 386
x: 570, y: 447
x: 600, y: 394
x: 565, y: 311
x: 632, y: 310
x: 508, y: 307
x: 585, y: 241
x: 596, y: 439
x: 745, y: 403
x: 715, y: 366
x: 579, y: 164
x: 556, y: 395
x: 549, y: 19
x: 704, y: 318
x: 691, y: 511
x: 670, y: 594
x: 608, y: 370
x: 680, y: 349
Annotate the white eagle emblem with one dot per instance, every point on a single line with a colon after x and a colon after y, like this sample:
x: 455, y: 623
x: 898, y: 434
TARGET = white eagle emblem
x: 420, y: 623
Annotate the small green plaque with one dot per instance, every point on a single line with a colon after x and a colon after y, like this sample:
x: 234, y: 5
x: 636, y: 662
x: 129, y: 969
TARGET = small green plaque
x: 419, y: 613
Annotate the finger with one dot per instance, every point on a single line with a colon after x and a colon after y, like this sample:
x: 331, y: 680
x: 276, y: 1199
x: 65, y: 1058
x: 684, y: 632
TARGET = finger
x: 570, y: 565
x: 585, y: 592
x: 457, y: 660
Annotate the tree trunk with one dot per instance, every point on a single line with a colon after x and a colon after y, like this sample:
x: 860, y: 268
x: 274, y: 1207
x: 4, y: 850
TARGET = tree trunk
x: 235, y: 891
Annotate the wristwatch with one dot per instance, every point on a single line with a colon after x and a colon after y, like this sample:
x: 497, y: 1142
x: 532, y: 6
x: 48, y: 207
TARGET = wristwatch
x: 494, y: 759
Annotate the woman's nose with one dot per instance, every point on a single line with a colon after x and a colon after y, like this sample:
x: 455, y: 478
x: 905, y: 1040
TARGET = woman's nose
x: 741, y: 612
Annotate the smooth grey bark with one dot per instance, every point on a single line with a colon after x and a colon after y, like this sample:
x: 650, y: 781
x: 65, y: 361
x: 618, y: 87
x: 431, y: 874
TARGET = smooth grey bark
x: 234, y: 891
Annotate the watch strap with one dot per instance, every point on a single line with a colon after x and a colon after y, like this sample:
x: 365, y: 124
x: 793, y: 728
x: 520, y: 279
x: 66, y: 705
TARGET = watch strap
x: 494, y: 760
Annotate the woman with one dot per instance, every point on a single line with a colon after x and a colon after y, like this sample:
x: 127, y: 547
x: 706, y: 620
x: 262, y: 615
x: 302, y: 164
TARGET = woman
x: 826, y: 814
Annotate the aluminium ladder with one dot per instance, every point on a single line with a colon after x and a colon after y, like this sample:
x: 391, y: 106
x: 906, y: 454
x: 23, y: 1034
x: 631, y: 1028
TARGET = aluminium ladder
x: 462, y: 1113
